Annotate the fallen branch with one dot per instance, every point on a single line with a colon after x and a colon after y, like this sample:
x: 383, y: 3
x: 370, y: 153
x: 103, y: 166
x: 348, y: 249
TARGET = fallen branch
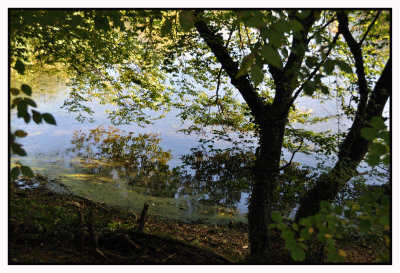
x: 170, y: 256
x: 132, y: 243
x: 98, y: 251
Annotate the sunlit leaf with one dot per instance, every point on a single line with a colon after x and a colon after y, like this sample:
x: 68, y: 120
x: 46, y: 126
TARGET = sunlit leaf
x: 20, y: 133
x: 247, y: 62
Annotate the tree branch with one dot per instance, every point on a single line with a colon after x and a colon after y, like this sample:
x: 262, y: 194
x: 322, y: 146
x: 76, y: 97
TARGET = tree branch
x: 369, y: 27
x: 242, y: 83
x: 290, y: 161
x: 296, y: 94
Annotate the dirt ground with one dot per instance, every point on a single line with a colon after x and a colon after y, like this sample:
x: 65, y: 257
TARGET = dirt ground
x: 48, y: 228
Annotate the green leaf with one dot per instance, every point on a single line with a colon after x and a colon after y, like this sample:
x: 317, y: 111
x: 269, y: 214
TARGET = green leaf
x: 298, y: 50
x: 305, y: 221
x: 377, y: 148
x: 26, y: 89
x: 271, y: 56
x: 27, y: 118
x: 20, y: 67
x: 30, y: 102
x: 37, y: 117
x: 329, y: 65
x: 338, y: 210
x: 166, y: 27
x: 256, y: 74
x: 27, y: 171
x: 14, y: 91
x: 276, y: 216
x: 16, y: 148
x: 275, y: 38
x: 248, y: 61
x: 20, y: 133
x: 298, y: 254
x: 304, y: 233
x: 303, y: 14
x: 296, y: 26
x: 309, y: 88
x: 364, y: 226
x: 324, y: 89
x: 378, y: 123
x: 311, y: 62
x: 287, y: 234
x: 291, y: 244
x: 22, y: 109
x: 48, y: 118
x: 186, y: 20
x: 368, y: 133
x: 345, y: 67
x: 14, y: 173
x: 373, y: 159
x: 384, y: 220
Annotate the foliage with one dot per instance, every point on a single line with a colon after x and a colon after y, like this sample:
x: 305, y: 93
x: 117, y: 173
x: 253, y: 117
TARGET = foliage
x: 369, y: 215
x: 379, y: 150
x: 22, y: 102
x: 141, y: 154
x: 200, y: 61
x: 368, y: 212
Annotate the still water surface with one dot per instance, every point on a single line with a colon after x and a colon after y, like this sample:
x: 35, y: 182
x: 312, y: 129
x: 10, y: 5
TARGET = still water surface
x: 47, y: 147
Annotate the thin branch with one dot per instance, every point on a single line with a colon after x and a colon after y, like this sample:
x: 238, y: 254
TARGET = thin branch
x: 220, y: 70
x: 296, y: 94
x: 290, y: 161
x: 370, y: 27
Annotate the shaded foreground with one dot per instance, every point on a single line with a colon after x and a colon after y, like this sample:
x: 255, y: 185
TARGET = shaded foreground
x: 49, y: 228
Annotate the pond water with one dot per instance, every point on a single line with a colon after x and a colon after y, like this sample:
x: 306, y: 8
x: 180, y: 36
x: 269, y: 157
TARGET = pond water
x: 111, y: 182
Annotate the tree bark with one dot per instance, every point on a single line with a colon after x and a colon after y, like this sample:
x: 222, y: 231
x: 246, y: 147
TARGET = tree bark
x: 270, y: 120
x: 352, y: 150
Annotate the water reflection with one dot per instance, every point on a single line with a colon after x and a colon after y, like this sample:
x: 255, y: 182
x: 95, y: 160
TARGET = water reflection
x: 137, y: 163
x: 208, y: 181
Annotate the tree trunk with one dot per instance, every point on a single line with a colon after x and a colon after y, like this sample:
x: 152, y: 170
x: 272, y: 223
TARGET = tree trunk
x: 352, y: 150
x: 266, y: 172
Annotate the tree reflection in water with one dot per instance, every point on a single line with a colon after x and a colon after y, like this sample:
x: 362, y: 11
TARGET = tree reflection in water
x: 216, y: 177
